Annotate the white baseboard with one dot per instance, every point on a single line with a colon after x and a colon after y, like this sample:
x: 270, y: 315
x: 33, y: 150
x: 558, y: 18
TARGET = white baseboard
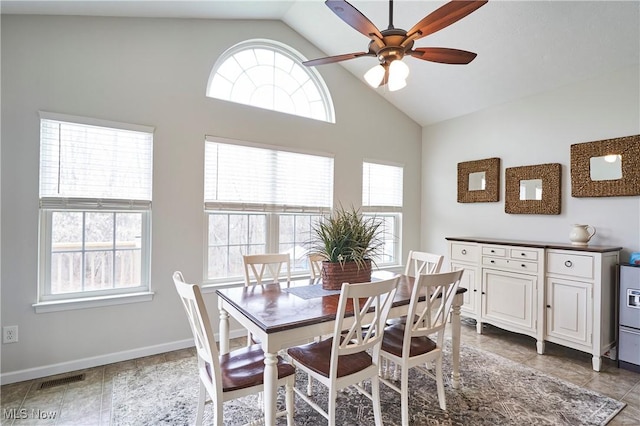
x: 81, y: 364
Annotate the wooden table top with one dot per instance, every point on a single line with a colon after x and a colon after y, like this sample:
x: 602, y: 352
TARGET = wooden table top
x: 274, y: 309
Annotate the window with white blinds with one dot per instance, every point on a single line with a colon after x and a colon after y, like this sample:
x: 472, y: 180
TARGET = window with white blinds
x: 261, y: 200
x: 95, y: 211
x: 80, y: 159
x: 382, y: 200
x: 381, y: 185
x: 255, y: 178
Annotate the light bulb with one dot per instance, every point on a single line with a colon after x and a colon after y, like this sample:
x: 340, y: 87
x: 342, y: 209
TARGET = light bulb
x: 374, y: 76
x: 398, y: 69
x: 611, y: 158
x: 396, y: 84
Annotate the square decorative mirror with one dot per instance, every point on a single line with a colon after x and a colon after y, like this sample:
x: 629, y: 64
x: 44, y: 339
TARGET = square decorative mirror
x: 533, y: 189
x: 606, y: 168
x: 479, y: 181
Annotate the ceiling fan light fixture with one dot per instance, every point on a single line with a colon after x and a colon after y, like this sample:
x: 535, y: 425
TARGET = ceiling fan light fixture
x: 398, y: 69
x: 396, y: 83
x: 374, y: 76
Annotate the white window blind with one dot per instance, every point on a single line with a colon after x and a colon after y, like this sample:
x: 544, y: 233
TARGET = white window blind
x: 253, y: 178
x: 381, y: 185
x: 87, y: 164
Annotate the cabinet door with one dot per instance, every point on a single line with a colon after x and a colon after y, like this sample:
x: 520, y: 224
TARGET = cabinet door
x: 569, y: 310
x: 509, y: 298
x: 468, y: 281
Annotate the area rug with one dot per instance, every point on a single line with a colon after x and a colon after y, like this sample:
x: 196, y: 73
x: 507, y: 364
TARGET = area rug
x: 494, y: 391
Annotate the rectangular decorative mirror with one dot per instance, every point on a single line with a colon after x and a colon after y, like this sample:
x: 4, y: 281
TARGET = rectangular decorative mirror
x: 533, y: 189
x: 606, y: 168
x: 479, y: 181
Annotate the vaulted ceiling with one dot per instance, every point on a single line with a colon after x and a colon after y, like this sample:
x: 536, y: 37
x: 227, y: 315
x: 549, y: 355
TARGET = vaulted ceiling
x: 523, y: 47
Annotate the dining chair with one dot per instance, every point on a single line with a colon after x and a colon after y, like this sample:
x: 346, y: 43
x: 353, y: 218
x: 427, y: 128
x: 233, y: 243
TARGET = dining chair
x: 343, y: 360
x: 315, y: 265
x: 258, y: 268
x: 230, y: 376
x: 419, y: 262
x: 409, y: 345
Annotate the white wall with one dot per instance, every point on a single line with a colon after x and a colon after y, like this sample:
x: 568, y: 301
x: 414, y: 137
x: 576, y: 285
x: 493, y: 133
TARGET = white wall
x: 536, y: 130
x: 154, y: 72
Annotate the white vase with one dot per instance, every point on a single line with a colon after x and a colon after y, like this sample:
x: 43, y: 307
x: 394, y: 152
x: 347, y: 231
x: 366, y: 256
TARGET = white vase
x: 581, y: 234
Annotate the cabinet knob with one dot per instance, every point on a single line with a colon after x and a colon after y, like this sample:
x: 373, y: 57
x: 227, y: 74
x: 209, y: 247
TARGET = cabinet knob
x: 493, y: 251
x: 523, y: 254
x: 484, y: 292
x: 568, y: 264
x: 492, y: 261
x: 548, y: 306
x: 523, y: 265
x: 464, y: 251
x: 474, y: 290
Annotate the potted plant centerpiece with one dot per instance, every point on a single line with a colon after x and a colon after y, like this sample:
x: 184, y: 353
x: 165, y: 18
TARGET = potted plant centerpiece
x: 348, y: 241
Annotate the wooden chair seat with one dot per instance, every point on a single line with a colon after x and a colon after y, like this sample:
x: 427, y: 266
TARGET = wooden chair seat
x: 244, y: 368
x: 393, y: 340
x: 317, y: 356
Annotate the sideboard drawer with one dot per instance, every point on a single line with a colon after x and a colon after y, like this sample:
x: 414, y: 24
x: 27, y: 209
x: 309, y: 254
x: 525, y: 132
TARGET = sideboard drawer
x: 514, y: 265
x: 569, y: 264
x: 464, y: 252
x: 494, y: 251
x: 524, y: 254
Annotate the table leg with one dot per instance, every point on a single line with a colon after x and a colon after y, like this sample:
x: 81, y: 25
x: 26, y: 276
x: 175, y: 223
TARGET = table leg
x: 223, y: 329
x: 455, y: 340
x: 270, y: 387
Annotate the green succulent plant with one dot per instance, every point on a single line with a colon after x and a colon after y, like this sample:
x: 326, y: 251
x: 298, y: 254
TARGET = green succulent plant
x: 347, y: 236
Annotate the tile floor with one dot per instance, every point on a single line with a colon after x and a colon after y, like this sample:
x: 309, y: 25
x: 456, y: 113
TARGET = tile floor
x: 89, y: 402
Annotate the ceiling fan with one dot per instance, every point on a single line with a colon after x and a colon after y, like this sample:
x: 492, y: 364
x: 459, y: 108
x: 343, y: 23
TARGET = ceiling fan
x: 393, y: 44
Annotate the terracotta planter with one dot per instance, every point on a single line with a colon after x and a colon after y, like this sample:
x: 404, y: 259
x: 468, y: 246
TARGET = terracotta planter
x: 334, y: 274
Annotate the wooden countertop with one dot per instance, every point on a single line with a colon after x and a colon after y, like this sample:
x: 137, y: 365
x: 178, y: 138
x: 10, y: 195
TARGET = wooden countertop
x: 535, y: 244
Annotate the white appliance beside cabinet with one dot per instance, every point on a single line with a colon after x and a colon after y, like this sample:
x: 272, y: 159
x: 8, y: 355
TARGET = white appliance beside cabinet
x: 552, y: 292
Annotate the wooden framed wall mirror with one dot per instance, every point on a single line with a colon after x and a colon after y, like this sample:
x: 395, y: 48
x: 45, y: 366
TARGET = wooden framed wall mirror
x: 479, y: 181
x: 606, y: 168
x: 533, y: 189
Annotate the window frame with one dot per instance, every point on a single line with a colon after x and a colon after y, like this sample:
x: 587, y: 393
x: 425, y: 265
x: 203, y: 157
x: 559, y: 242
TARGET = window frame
x: 392, y: 211
x: 46, y: 300
x: 272, y: 212
x: 286, y: 51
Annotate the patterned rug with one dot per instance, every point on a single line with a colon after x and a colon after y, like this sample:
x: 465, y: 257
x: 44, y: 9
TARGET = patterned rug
x: 494, y: 391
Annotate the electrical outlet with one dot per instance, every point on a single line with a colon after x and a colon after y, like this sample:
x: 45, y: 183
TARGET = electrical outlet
x: 10, y: 334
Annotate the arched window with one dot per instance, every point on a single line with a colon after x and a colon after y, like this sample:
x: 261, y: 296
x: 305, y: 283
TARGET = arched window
x: 267, y: 74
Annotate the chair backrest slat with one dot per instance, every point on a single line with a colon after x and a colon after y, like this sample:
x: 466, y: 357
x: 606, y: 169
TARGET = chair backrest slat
x: 439, y: 291
x: 256, y: 266
x: 315, y: 265
x: 368, y: 300
x: 419, y: 262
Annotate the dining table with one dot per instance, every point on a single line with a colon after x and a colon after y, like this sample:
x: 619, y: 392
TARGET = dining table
x: 284, y: 314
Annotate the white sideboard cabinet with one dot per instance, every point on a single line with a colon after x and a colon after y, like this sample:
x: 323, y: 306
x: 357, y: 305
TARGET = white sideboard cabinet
x: 552, y: 292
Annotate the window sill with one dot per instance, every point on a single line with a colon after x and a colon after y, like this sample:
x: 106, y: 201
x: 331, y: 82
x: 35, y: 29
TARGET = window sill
x: 91, y: 302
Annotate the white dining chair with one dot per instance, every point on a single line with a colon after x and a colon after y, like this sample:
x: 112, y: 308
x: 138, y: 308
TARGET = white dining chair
x: 230, y: 376
x: 262, y: 268
x: 315, y: 265
x: 343, y: 360
x: 419, y: 262
x: 258, y: 268
x: 409, y: 345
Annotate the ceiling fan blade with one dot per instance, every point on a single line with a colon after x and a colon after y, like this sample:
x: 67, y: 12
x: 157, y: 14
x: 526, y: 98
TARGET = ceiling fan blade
x: 443, y: 55
x: 444, y: 16
x: 354, y: 18
x: 337, y: 58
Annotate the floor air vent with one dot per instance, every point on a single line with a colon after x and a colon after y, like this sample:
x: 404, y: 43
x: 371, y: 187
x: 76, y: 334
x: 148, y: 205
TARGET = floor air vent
x: 61, y: 381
